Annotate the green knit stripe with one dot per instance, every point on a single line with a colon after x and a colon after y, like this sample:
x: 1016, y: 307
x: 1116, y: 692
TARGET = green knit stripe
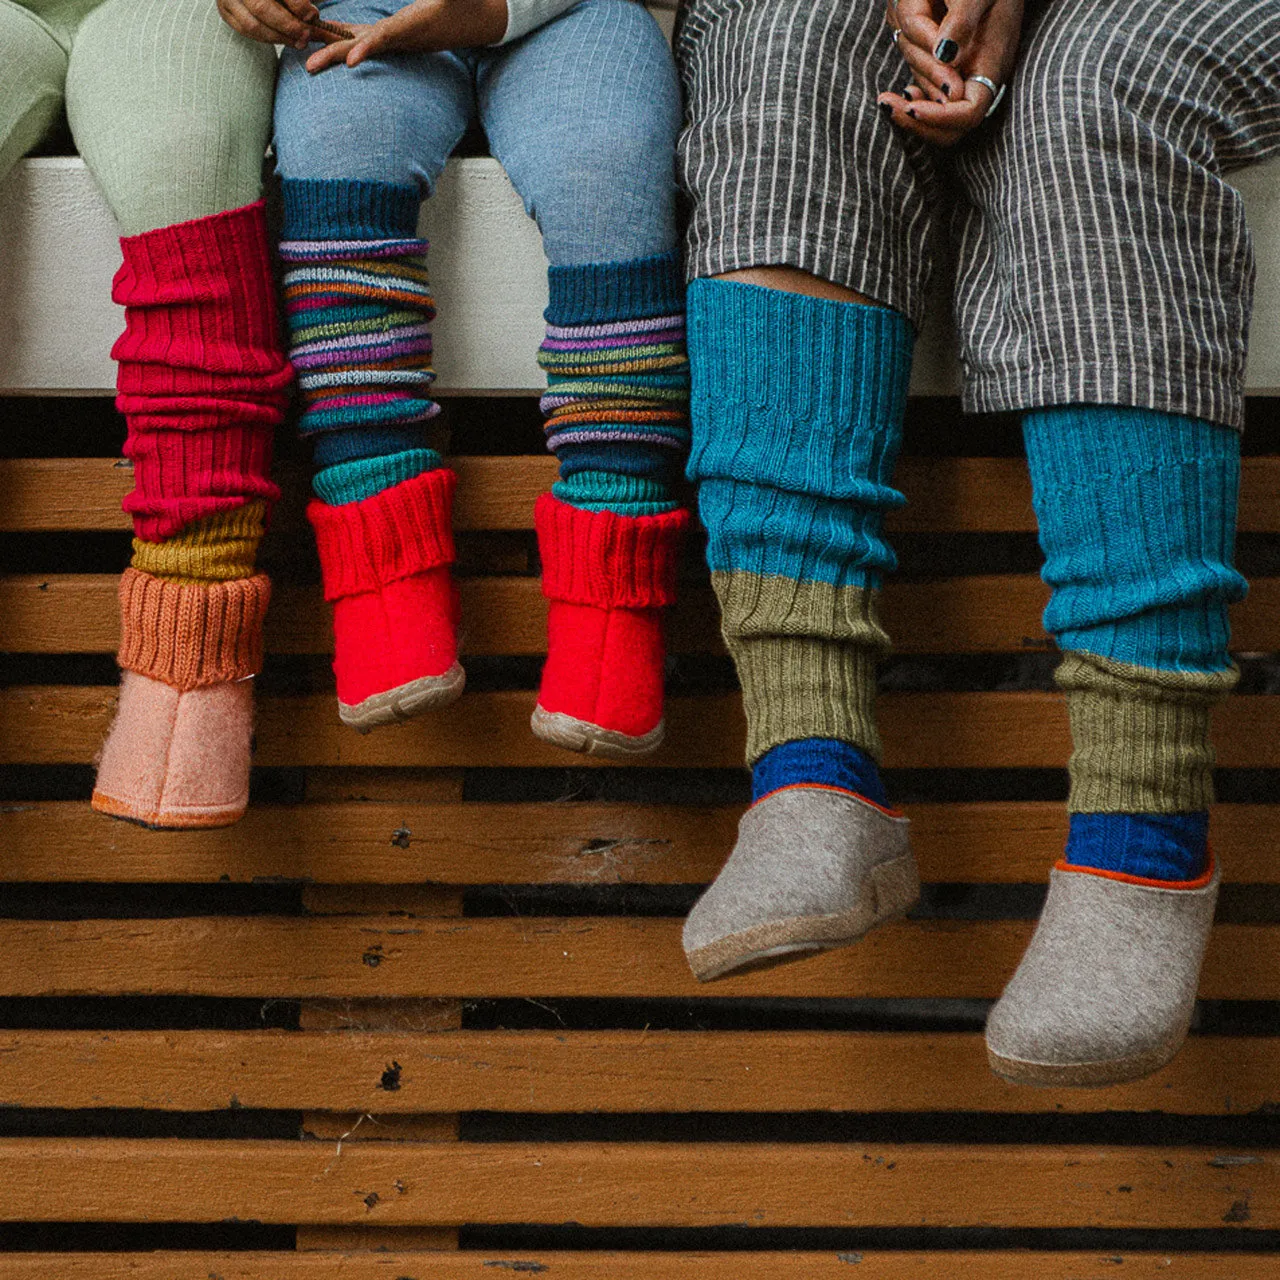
x: 806, y: 654
x: 1140, y: 735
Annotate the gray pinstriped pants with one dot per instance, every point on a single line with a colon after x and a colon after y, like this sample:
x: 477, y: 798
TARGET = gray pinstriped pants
x: 1101, y: 255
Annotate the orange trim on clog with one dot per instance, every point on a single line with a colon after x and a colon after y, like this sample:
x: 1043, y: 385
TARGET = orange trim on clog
x: 826, y: 786
x: 1199, y: 883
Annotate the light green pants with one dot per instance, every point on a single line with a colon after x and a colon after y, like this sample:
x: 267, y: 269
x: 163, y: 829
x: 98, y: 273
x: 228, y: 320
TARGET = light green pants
x: 169, y: 108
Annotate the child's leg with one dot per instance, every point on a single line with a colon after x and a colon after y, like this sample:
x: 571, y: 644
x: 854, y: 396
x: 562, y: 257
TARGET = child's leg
x: 31, y: 87
x: 584, y: 115
x: 177, y: 144
x: 358, y: 150
x: 1137, y: 513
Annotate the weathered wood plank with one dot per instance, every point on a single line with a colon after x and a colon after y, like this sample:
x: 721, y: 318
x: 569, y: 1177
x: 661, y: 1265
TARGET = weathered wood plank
x: 637, y: 1184
x: 384, y: 957
x: 78, y: 613
x: 390, y: 841
x: 54, y: 724
x: 408, y: 1073
x: 1010, y: 1264
x: 972, y: 495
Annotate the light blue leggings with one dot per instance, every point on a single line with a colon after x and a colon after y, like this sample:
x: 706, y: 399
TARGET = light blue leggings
x: 583, y: 114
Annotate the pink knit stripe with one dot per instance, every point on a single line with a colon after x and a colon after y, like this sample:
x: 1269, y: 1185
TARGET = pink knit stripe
x: 607, y: 560
x: 395, y: 534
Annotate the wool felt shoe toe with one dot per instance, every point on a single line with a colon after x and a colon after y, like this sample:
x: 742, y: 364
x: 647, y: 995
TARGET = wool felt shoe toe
x: 1107, y: 986
x: 177, y: 759
x: 814, y: 868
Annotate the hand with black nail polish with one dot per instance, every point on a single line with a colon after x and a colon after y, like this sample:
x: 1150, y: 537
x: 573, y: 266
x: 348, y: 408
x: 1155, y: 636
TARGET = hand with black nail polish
x: 946, y: 43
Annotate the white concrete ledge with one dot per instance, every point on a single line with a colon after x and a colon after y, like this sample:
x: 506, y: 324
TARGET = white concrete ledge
x: 58, y: 252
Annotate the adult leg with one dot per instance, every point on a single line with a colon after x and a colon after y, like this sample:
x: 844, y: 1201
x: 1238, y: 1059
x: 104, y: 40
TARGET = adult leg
x: 31, y: 92
x: 1105, y: 290
x: 593, y: 156
x: 358, y: 149
x: 170, y: 110
x: 809, y: 237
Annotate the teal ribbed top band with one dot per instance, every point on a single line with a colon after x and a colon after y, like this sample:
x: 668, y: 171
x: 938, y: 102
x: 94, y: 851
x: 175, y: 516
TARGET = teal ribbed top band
x: 355, y: 481
x: 797, y: 408
x: 1137, y: 512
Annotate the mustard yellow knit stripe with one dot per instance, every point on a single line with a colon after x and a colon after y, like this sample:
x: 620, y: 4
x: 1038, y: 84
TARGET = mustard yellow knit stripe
x: 219, y: 548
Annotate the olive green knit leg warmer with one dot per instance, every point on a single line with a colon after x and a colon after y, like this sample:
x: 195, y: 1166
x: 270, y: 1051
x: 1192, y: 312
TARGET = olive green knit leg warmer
x: 806, y: 655
x: 1140, y: 735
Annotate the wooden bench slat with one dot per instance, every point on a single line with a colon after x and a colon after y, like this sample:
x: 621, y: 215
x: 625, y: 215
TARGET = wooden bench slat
x: 637, y: 1184
x: 79, y: 613
x: 479, y: 1264
x: 65, y: 724
x: 993, y: 842
x: 624, y: 1071
x: 969, y: 495
x: 547, y: 957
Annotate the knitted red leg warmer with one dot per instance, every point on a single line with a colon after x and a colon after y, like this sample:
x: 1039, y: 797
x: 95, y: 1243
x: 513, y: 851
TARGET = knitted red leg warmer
x: 202, y: 377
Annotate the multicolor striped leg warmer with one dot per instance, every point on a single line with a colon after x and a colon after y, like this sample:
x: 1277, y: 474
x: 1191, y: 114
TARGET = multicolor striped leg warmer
x: 617, y: 420
x: 794, y: 461
x: 203, y: 384
x: 359, y: 312
x: 617, y: 398
x: 1137, y: 514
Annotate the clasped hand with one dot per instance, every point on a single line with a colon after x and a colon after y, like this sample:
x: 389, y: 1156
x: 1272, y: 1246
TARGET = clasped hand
x: 424, y: 26
x: 946, y: 46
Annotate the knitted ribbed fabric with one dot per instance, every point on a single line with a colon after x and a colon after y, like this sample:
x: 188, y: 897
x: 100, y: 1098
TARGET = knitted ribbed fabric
x: 218, y: 548
x: 617, y: 383
x: 202, y: 380
x: 192, y: 636
x: 1137, y: 520
x: 391, y: 535
x: 359, y: 308
x: 1140, y: 736
x: 794, y: 460
x: 608, y: 561
x: 820, y: 762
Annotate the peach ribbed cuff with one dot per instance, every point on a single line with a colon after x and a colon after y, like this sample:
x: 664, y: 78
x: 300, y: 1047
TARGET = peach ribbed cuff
x: 192, y: 636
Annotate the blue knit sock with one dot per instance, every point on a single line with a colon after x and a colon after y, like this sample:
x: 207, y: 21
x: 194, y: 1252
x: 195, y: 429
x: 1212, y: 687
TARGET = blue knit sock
x: 824, y: 762
x: 1153, y: 846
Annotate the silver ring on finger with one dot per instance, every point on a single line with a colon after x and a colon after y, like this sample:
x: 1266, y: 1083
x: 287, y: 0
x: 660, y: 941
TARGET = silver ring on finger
x: 996, y: 91
x: 896, y: 34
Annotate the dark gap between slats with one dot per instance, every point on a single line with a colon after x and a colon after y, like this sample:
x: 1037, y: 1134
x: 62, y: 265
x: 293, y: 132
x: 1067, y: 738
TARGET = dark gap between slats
x: 852, y: 1242
x: 146, y: 1013
x: 1256, y: 1132
x: 144, y: 1237
x: 129, y: 1122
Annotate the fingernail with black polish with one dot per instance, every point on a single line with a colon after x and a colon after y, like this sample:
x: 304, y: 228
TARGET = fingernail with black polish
x: 911, y: 112
x: 946, y: 91
x: 946, y: 50
x: 887, y: 108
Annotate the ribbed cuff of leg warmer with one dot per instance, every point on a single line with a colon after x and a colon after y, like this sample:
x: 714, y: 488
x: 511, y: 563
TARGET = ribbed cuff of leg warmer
x: 798, y: 687
x: 1140, y: 735
x: 607, y: 560
x: 192, y: 636
x: 341, y: 209
x: 395, y: 534
x: 600, y: 292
